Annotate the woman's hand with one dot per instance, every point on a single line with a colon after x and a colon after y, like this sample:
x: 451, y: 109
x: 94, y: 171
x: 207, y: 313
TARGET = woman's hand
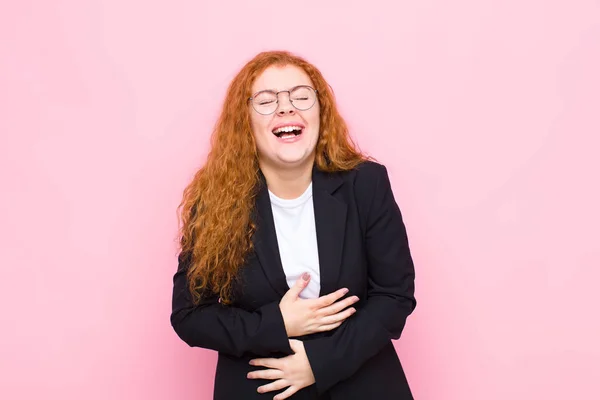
x: 306, y: 316
x: 293, y: 372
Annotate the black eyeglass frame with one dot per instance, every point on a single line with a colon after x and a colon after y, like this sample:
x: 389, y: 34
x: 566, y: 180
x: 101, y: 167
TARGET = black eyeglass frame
x: 289, y: 92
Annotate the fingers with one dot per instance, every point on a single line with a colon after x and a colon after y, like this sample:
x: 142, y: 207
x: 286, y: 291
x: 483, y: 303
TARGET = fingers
x: 325, y: 328
x: 278, y: 384
x: 338, y: 306
x: 270, y: 374
x: 331, y: 298
x: 287, y: 393
x: 339, y: 317
x: 267, y: 362
x: 298, y: 287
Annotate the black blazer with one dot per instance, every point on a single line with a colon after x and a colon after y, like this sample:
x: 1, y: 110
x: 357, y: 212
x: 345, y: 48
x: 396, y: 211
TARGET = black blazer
x: 362, y: 245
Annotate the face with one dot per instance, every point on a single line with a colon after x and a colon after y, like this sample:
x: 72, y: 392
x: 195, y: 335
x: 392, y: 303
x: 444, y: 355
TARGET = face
x: 277, y: 148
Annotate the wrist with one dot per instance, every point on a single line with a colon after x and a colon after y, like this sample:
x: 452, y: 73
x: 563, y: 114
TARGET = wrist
x: 291, y: 332
x: 286, y: 324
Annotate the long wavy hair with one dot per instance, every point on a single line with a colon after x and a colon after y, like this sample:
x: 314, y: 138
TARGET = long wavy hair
x: 215, y: 214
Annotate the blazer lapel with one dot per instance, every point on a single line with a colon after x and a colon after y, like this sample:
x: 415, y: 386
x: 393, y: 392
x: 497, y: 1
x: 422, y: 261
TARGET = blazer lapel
x: 330, y: 221
x: 265, y: 240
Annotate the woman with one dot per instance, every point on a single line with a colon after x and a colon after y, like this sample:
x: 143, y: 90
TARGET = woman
x: 294, y: 261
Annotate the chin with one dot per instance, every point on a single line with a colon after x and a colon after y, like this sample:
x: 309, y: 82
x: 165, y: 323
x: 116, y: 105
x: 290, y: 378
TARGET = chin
x: 295, y: 159
x: 291, y: 162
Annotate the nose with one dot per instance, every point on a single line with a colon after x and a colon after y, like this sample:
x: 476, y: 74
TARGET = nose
x: 284, y: 105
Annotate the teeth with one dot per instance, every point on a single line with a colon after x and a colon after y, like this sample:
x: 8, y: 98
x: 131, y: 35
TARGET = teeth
x: 287, y: 129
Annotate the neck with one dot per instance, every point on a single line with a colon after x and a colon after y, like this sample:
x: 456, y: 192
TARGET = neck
x: 288, y: 183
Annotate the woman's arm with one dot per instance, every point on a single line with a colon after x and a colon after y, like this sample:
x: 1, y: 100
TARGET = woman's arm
x: 390, y: 294
x: 226, y: 329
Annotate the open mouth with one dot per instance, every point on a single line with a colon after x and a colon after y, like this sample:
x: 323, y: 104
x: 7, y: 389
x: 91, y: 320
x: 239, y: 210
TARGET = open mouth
x: 288, y: 131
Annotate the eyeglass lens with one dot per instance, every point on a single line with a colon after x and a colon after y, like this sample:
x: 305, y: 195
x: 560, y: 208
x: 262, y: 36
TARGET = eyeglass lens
x: 301, y: 97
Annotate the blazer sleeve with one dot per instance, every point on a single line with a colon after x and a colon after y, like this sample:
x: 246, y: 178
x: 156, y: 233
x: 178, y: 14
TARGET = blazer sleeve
x: 390, y: 294
x: 227, y: 329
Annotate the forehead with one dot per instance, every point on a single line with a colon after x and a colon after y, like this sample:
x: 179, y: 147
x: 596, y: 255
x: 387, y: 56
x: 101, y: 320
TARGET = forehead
x: 281, y: 78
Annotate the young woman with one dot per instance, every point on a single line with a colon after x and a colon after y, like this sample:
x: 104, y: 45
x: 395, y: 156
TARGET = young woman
x: 294, y: 261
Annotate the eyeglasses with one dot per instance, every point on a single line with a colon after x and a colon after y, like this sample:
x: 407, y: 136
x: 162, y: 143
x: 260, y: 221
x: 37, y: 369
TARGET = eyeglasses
x: 302, y: 98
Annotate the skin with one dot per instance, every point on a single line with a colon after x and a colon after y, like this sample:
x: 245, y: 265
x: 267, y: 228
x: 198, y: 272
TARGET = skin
x: 287, y: 166
x: 291, y: 372
x: 288, y: 170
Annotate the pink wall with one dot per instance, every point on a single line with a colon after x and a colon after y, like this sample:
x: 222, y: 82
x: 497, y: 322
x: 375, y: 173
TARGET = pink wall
x: 486, y: 113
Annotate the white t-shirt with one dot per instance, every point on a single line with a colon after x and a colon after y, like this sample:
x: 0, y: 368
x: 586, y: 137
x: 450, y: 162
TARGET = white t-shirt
x: 297, y: 240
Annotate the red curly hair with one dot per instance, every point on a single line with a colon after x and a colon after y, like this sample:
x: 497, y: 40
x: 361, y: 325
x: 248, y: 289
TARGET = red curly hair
x: 216, y: 227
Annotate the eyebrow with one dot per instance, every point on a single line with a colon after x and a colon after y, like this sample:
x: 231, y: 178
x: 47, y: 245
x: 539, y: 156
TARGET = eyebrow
x: 275, y: 91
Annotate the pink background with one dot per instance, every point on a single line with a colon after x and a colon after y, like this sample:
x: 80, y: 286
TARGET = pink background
x: 486, y: 114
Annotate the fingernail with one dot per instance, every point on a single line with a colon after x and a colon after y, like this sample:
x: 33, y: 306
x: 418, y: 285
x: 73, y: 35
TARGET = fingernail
x: 345, y: 291
x: 305, y: 276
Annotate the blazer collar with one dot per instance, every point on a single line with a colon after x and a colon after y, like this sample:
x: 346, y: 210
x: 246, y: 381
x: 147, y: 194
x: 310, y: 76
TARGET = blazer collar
x: 330, y: 223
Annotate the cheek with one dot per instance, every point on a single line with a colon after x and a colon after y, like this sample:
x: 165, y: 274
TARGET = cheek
x: 315, y: 116
x: 259, y: 128
x: 315, y: 121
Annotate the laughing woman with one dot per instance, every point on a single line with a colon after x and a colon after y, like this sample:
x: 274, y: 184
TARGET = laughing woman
x: 294, y: 262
